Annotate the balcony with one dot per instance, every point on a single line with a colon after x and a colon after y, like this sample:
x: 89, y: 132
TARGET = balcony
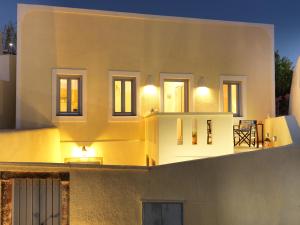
x: 175, y: 137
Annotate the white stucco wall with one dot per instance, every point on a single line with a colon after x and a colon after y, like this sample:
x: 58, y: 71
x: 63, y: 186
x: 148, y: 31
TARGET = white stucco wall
x: 164, y: 148
x: 260, y: 187
x: 295, y: 93
x: 5, y: 68
x: 280, y: 128
x: 7, y: 91
x: 100, y: 42
x: 35, y: 145
x: 1, y: 47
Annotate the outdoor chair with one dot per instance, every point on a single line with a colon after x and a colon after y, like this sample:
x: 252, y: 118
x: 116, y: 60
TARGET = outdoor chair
x: 245, y: 132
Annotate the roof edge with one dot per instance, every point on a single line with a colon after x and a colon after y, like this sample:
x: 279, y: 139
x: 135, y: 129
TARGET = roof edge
x: 28, y: 7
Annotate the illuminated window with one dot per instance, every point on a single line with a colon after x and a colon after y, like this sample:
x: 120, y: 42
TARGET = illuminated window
x: 231, y: 97
x: 69, y: 95
x: 124, y: 96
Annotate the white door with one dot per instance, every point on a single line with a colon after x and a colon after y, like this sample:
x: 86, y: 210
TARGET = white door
x: 175, y: 94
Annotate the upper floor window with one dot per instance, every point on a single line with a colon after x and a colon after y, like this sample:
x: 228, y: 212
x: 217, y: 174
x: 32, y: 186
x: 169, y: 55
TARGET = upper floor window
x: 69, y: 96
x: 123, y: 95
x: 232, y: 97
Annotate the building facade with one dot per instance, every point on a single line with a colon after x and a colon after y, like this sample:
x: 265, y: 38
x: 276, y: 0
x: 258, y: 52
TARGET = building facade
x: 132, y: 91
x: 96, y: 75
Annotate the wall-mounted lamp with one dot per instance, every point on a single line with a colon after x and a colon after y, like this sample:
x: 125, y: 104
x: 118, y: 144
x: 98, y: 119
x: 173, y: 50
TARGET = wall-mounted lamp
x: 150, y: 87
x: 84, y: 154
x: 201, y: 82
x: 202, y: 88
x: 149, y: 80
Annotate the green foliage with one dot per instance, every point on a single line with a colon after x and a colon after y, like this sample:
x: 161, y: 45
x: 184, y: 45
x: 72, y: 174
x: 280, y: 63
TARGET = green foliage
x: 283, y: 80
x: 9, y: 36
x: 283, y: 75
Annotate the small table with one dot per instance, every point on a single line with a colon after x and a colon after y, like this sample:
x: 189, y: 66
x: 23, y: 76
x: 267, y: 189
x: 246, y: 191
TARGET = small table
x: 262, y: 134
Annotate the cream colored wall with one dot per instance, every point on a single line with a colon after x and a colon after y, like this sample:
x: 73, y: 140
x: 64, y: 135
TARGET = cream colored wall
x: 37, y: 145
x: 164, y: 148
x: 278, y: 127
x: 295, y: 93
x: 7, y: 91
x: 1, y: 46
x: 259, y: 187
x: 117, y: 152
x: 102, y: 41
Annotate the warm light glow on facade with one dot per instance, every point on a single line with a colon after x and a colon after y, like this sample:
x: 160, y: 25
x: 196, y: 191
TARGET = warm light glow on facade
x: 202, y: 91
x: 78, y: 152
x: 150, y: 90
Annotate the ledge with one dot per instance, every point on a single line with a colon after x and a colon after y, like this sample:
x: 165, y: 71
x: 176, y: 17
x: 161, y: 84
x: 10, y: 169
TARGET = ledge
x: 70, y: 166
x: 162, y: 114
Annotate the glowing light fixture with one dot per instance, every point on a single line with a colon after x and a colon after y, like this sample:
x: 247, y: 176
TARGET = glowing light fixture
x: 150, y: 88
x: 202, y: 89
x: 84, y: 154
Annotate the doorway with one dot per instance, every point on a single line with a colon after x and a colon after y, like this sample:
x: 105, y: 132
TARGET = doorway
x: 176, y: 95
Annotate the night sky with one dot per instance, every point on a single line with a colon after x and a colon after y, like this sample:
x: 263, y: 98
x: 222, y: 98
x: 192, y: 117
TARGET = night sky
x: 285, y: 15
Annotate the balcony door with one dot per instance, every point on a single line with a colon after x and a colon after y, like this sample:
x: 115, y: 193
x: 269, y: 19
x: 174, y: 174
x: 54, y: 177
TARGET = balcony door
x: 176, y: 95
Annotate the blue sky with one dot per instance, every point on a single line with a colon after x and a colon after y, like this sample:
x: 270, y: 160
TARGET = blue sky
x: 285, y: 15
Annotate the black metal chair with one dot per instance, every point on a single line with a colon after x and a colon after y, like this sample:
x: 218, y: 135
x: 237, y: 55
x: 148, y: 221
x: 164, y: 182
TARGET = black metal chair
x: 245, y: 132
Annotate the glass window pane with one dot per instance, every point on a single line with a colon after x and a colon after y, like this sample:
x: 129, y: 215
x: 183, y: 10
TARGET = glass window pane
x: 172, y: 214
x: 118, y: 96
x: 128, y: 96
x: 74, y: 95
x: 152, y: 214
x: 162, y: 213
x: 63, y: 95
x: 225, y: 98
x: 234, y: 100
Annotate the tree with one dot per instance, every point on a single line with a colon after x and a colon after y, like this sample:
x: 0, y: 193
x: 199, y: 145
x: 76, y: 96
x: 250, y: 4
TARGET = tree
x: 9, y: 38
x: 283, y: 79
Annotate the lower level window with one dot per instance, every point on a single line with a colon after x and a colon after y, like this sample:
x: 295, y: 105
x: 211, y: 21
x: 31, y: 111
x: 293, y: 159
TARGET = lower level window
x: 69, y: 96
x: 161, y: 213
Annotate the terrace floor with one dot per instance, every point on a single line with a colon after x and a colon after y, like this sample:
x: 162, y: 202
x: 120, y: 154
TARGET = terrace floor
x: 246, y: 148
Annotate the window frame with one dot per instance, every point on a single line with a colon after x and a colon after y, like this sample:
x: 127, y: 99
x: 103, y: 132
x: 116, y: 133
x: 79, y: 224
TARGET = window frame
x: 123, y: 101
x: 242, y: 79
x: 69, y: 117
x: 69, y: 88
x: 123, y: 74
x: 164, y: 203
x: 238, y: 96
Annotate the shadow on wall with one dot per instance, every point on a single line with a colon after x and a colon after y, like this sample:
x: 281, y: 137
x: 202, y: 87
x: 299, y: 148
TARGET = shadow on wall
x: 40, y: 121
x: 7, y: 91
x: 34, y: 91
x: 294, y: 129
x: 284, y: 129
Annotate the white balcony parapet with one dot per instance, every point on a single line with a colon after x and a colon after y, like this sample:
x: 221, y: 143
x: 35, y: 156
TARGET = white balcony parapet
x: 175, y: 137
